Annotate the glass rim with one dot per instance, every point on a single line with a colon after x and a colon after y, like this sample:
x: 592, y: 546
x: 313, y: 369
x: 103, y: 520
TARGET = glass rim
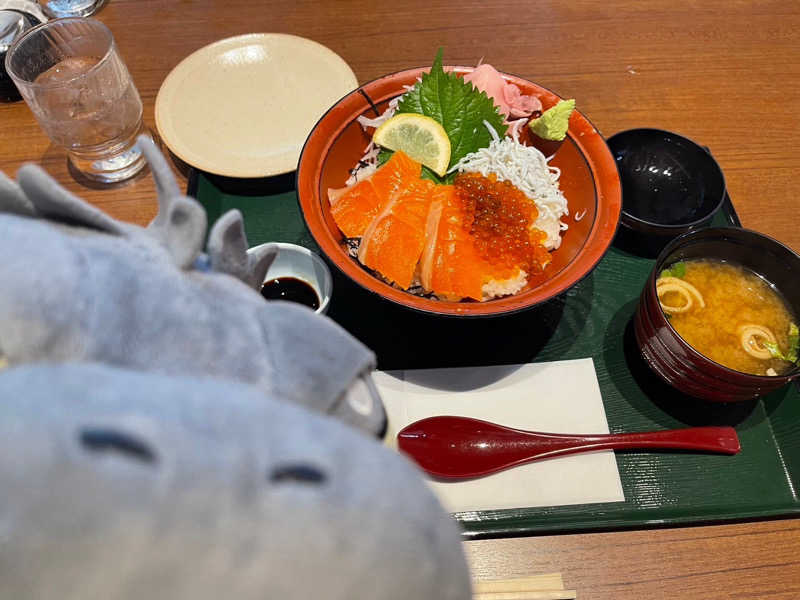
x: 52, y: 23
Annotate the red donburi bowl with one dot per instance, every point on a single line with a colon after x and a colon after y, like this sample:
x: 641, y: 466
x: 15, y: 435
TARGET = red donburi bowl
x: 672, y: 358
x: 589, y: 180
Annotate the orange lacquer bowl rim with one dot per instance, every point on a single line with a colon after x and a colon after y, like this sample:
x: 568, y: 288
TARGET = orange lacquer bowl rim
x: 322, y: 141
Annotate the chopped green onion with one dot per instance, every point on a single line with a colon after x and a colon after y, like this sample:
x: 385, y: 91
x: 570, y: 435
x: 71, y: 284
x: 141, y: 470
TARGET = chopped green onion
x: 676, y: 270
x: 773, y: 349
x: 794, y: 343
x: 792, y: 352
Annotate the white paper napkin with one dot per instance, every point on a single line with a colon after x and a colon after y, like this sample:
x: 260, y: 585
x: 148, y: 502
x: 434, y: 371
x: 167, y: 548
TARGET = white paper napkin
x: 554, y: 397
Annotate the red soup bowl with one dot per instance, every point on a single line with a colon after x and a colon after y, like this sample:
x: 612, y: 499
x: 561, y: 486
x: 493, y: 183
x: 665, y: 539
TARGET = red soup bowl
x: 671, y: 357
x: 589, y: 181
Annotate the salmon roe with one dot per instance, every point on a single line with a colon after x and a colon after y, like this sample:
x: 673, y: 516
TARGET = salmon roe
x: 499, y: 216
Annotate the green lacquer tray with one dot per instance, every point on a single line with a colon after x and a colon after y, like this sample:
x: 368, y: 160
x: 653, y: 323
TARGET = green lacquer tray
x: 592, y: 319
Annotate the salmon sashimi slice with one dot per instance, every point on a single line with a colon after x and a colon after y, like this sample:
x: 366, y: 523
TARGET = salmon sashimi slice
x: 394, y: 240
x: 450, y: 265
x: 353, y: 208
x: 395, y: 173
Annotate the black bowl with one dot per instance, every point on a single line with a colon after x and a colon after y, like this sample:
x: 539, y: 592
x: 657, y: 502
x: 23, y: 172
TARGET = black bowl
x: 670, y: 184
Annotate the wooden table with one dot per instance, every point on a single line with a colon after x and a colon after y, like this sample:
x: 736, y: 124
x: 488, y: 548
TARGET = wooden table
x: 726, y: 74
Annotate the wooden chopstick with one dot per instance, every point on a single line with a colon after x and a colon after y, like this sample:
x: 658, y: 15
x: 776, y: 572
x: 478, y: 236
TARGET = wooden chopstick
x: 547, y: 581
x: 549, y: 586
x: 528, y: 595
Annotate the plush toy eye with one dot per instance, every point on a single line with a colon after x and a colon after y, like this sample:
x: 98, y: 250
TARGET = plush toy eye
x: 297, y: 474
x: 109, y: 440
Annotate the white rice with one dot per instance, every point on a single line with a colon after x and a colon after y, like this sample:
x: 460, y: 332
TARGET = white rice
x: 504, y: 287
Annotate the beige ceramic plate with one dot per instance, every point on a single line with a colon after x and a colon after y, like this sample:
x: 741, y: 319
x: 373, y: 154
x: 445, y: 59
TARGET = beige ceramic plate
x: 243, y: 106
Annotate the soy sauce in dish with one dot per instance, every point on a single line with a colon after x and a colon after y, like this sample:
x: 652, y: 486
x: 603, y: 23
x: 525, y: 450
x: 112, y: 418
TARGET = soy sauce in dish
x: 291, y: 289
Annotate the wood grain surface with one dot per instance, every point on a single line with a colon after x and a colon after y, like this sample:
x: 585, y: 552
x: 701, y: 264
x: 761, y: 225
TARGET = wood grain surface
x: 723, y: 72
x: 744, y: 561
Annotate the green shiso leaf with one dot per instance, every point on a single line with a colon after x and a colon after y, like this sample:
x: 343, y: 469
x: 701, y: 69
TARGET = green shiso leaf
x: 458, y: 106
x: 384, y: 155
x: 429, y: 174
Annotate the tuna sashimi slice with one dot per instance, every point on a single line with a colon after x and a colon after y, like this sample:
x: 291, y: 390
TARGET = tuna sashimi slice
x: 353, y: 208
x: 394, y: 240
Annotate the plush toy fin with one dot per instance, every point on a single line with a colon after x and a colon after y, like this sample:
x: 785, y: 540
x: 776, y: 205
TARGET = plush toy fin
x: 13, y: 200
x: 259, y: 261
x: 183, y: 230
x: 166, y: 184
x: 227, y: 250
x: 53, y: 202
x: 181, y: 222
x: 227, y: 246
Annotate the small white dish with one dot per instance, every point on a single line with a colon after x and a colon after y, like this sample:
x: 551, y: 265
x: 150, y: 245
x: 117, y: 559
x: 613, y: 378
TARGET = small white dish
x: 244, y: 106
x: 301, y: 263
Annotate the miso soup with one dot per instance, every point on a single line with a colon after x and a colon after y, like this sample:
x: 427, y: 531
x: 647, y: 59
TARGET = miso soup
x: 729, y: 314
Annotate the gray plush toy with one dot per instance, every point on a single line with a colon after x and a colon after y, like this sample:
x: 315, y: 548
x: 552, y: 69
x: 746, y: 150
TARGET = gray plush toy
x: 79, y: 286
x: 125, y: 485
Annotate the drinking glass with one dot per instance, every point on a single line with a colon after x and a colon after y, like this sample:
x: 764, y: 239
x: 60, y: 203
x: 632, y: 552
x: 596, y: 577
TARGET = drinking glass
x: 70, y: 8
x: 72, y: 77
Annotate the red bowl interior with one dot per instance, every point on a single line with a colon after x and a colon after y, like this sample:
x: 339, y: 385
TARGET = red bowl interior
x: 589, y: 180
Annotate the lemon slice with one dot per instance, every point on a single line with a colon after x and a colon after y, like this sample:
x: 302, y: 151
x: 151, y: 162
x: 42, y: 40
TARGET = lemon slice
x: 421, y: 137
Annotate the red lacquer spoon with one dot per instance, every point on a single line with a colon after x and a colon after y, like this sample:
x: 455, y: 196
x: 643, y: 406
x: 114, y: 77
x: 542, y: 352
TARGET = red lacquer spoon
x: 459, y: 447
